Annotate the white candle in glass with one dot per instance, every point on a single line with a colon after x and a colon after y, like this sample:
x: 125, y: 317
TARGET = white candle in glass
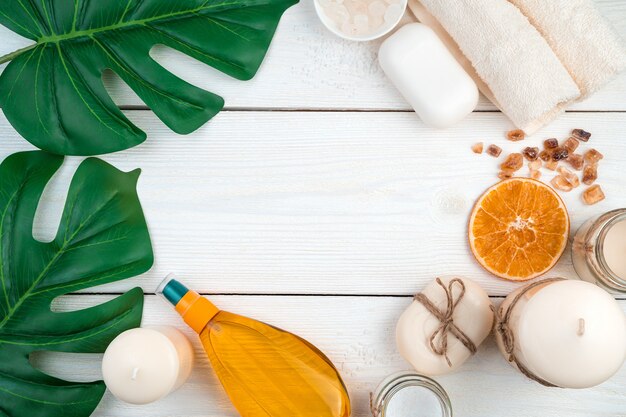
x: 472, y: 315
x: 570, y: 334
x: 144, y: 365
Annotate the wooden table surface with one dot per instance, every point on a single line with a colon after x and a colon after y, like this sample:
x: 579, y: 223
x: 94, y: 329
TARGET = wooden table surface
x: 318, y: 202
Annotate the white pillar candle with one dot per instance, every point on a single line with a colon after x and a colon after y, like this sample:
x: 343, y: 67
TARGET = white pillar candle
x: 472, y: 315
x: 144, y: 365
x: 570, y: 334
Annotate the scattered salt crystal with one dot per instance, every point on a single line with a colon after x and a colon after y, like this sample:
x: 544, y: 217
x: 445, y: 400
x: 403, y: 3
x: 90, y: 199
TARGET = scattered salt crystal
x: 393, y: 13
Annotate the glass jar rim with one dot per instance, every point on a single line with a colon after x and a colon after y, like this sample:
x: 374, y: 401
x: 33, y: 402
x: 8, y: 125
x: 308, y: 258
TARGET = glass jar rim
x: 394, y: 383
x: 615, y: 281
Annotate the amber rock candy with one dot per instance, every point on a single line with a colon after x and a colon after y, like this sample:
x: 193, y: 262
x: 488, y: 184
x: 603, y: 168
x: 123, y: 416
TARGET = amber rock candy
x: 576, y: 161
x: 530, y: 153
x: 544, y: 155
x: 513, y: 162
x: 552, y: 164
x: 569, y: 176
x: 592, y: 156
x: 505, y: 174
x: 559, y: 154
x: 477, y: 147
x: 535, y: 174
x: 593, y: 194
x: 535, y: 165
x: 494, y: 151
x: 561, y: 184
x: 515, y: 135
x: 550, y: 143
x: 571, y: 144
x: 581, y: 135
x: 590, y: 174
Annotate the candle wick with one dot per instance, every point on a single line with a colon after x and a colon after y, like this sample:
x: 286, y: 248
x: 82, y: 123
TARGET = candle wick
x: 134, y: 374
x: 581, y: 327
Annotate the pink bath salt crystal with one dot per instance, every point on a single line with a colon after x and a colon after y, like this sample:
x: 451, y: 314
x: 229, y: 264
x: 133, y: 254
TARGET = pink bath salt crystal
x: 377, y: 8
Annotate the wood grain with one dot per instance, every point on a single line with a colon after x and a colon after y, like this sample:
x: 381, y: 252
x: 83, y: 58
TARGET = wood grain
x: 357, y: 333
x: 309, y: 68
x: 325, y: 203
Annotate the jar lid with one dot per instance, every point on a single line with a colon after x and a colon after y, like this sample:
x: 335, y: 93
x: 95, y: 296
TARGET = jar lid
x: 408, y: 394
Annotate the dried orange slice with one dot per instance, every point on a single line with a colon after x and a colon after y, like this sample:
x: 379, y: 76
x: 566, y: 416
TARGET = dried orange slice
x: 518, y: 229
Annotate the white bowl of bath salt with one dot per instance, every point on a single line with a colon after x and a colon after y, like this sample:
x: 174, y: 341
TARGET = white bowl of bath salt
x: 360, y: 20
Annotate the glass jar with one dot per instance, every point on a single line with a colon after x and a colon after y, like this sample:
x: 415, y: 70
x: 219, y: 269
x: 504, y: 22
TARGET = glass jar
x: 400, y: 385
x: 588, y: 251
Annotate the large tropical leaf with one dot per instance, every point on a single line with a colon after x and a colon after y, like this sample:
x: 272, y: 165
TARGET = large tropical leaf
x: 52, y: 91
x: 102, y: 238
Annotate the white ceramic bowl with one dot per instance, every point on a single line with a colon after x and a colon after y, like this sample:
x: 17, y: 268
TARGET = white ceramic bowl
x: 380, y: 32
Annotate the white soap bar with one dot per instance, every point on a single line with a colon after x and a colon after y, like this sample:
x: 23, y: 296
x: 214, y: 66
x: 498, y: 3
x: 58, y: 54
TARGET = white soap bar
x: 428, y: 76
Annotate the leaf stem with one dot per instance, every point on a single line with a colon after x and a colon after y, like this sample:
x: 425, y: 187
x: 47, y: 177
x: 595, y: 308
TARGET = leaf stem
x: 15, y: 54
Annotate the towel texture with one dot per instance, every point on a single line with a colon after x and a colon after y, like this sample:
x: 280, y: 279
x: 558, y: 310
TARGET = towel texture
x: 589, y: 49
x: 527, y: 80
x: 525, y: 55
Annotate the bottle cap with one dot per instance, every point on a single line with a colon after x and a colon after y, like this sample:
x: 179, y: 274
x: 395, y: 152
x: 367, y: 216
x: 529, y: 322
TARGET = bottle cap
x: 195, y: 310
x: 171, y: 289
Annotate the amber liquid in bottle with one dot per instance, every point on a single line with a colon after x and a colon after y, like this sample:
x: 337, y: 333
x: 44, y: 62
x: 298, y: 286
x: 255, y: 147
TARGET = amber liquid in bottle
x: 266, y: 371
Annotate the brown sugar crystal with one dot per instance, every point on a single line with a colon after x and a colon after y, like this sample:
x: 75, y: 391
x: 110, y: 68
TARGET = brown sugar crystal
x: 550, y: 143
x: 544, y: 155
x: 515, y: 135
x: 558, y: 154
x: 581, y: 135
x: 593, y: 194
x: 505, y: 174
x: 569, y: 176
x: 592, y: 156
x: 477, y: 147
x: 571, y: 144
x: 494, y: 151
x: 590, y: 174
x: 513, y: 162
x: 551, y: 164
x: 535, y: 174
x: 561, y: 184
x: 576, y: 161
x: 530, y: 153
x: 535, y: 165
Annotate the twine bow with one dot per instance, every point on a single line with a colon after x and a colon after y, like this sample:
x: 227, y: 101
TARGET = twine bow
x: 446, y: 318
x: 507, y: 336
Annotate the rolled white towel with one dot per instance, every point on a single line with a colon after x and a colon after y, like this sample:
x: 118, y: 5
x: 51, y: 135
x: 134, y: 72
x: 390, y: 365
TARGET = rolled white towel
x: 587, y: 46
x: 526, y: 79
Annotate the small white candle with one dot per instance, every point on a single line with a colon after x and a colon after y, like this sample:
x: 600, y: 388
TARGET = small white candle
x: 144, y: 365
x: 472, y: 315
x: 412, y: 401
x: 614, y: 249
x: 571, y: 334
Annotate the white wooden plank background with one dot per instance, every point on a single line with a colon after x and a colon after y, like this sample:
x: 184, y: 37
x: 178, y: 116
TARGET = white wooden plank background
x: 325, y: 222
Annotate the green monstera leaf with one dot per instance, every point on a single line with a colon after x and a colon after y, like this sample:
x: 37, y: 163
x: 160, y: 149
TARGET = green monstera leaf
x: 52, y: 92
x: 102, y: 238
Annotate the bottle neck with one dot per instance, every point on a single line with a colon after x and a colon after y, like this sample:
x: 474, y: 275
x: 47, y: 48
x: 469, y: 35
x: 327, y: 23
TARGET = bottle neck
x: 196, y: 310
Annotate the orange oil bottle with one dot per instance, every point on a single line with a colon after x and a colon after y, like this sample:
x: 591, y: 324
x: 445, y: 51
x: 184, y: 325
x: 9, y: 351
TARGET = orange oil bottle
x: 266, y: 371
